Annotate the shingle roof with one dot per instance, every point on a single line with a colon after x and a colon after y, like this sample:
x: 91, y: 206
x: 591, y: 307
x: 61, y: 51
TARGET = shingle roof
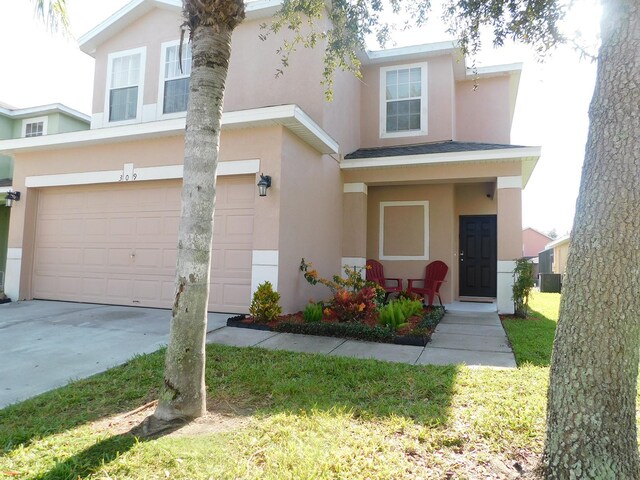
x: 426, y: 149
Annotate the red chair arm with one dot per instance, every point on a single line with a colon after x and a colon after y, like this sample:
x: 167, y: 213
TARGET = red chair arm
x: 411, y: 280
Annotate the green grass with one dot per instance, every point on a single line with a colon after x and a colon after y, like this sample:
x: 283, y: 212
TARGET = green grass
x: 532, y: 338
x: 285, y: 415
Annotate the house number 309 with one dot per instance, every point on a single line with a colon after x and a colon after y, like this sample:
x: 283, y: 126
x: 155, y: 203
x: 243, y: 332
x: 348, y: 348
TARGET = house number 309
x: 126, y: 178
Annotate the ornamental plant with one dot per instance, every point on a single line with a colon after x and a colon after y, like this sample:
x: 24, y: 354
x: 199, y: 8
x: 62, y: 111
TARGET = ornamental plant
x: 348, y: 306
x: 313, y: 312
x: 265, y: 305
x: 522, y: 285
x: 352, y: 281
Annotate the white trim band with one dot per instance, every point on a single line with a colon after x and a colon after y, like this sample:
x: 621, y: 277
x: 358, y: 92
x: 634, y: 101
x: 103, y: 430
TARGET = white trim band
x: 129, y: 173
x: 264, y: 268
x: 355, y: 188
x: 509, y: 182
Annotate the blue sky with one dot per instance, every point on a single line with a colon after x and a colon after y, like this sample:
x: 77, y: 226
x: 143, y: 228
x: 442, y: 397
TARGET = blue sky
x: 551, y: 111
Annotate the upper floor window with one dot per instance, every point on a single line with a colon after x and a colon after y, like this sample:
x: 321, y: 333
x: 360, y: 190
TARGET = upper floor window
x: 403, y: 100
x: 34, y: 127
x: 174, y: 81
x: 125, y: 78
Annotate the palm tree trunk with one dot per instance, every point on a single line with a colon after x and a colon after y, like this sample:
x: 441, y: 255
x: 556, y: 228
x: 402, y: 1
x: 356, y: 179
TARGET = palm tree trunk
x: 184, y: 394
x: 591, y: 419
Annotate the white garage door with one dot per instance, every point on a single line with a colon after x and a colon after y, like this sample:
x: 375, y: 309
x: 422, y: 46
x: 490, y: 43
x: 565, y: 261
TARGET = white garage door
x: 116, y: 244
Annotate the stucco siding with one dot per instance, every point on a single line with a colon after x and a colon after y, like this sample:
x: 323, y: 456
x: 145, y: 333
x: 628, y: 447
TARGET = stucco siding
x: 439, y: 101
x: 310, y: 221
x: 483, y: 114
x: 440, y: 231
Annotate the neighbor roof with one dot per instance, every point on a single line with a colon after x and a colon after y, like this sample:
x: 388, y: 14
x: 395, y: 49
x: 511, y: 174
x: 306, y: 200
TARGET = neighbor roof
x: 43, y: 110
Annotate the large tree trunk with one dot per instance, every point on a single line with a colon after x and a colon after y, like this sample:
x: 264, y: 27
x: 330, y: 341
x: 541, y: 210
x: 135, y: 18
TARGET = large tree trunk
x: 184, y: 395
x: 591, y: 419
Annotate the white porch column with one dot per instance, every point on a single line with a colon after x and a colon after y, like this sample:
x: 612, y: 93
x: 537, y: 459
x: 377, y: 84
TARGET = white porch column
x: 12, y: 275
x: 509, y: 203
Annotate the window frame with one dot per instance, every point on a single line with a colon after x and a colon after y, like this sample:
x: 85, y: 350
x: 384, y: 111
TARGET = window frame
x: 161, y: 81
x: 27, y: 121
x: 424, y: 95
x: 142, y: 51
x: 418, y: 203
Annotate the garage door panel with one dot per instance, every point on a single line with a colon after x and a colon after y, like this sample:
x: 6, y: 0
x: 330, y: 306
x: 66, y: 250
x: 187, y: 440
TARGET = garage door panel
x: 92, y: 257
x: 86, y: 235
x: 93, y: 286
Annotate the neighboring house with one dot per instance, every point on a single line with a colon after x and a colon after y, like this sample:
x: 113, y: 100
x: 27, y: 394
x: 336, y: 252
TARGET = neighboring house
x: 556, y: 254
x: 407, y: 165
x: 533, y: 242
x: 17, y: 123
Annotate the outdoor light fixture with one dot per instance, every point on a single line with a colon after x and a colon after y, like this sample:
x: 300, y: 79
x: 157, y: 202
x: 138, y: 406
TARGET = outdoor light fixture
x: 11, y: 197
x: 263, y: 184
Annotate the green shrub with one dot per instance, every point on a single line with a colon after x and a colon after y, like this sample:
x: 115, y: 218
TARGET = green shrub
x: 354, y: 330
x: 432, y: 317
x: 313, y: 312
x: 409, y: 307
x: 392, y: 316
x: 265, y: 303
x: 522, y: 285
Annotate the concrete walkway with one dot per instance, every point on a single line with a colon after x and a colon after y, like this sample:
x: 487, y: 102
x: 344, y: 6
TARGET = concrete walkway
x: 44, y: 345
x: 462, y: 337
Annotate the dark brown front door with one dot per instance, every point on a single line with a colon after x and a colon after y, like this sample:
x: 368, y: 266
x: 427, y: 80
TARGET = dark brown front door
x: 478, y: 256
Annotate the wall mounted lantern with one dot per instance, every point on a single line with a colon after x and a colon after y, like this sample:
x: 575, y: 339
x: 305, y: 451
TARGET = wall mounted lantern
x: 11, y: 197
x: 263, y: 184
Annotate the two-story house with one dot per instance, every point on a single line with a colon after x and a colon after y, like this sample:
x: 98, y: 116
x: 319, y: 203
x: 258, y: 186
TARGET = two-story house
x: 408, y: 165
x: 16, y: 123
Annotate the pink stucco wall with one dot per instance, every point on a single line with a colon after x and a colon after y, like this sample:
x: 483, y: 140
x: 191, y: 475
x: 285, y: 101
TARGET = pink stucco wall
x: 533, y: 242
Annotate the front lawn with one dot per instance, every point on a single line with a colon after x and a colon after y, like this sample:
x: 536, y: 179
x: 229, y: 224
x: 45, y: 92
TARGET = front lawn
x: 532, y: 338
x: 276, y: 415
x: 283, y: 415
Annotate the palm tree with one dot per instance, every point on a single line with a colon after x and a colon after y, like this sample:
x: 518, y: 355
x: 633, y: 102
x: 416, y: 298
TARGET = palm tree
x: 210, y: 25
x: 53, y: 13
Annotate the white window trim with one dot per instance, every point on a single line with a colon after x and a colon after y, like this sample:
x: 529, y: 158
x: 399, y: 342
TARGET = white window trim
x: 160, y: 105
x: 26, y: 121
x: 143, y: 60
x: 425, y: 205
x: 424, y: 110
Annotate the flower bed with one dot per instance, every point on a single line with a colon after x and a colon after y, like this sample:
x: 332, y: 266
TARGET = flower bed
x: 416, y: 331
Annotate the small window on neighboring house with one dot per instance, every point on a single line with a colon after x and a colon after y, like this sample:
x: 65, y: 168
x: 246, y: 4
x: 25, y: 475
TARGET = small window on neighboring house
x: 124, y: 85
x: 403, y: 99
x: 34, y: 127
x: 175, y: 81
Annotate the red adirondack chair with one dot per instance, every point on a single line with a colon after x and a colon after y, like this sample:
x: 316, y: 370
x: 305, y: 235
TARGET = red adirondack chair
x: 434, y: 275
x: 375, y: 273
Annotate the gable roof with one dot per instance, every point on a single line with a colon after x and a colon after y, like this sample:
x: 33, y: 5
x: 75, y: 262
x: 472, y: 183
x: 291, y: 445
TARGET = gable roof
x: 43, y: 110
x: 135, y: 9
x: 538, y: 232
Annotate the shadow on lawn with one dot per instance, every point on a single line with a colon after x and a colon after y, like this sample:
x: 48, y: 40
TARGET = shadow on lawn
x: 242, y: 381
x: 92, y: 459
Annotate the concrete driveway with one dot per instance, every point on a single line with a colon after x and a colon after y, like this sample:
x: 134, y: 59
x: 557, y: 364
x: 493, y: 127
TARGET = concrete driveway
x: 44, y: 345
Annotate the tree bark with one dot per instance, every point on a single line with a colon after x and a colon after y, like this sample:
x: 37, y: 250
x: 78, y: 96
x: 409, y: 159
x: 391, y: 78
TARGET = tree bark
x: 184, y: 395
x: 591, y: 419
